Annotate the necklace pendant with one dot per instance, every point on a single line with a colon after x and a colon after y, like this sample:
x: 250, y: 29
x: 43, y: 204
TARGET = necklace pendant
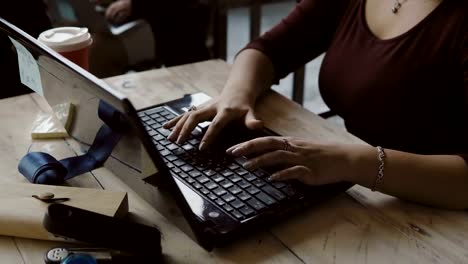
x: 396, y: 7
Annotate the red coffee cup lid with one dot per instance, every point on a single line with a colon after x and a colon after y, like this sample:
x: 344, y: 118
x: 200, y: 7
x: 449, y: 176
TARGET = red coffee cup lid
x: 65, y: 39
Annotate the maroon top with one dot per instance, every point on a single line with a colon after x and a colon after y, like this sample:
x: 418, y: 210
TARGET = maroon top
x: 407, y: 93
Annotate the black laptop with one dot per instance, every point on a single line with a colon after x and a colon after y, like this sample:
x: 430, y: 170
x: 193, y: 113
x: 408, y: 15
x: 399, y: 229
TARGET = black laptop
x: 220, y: 199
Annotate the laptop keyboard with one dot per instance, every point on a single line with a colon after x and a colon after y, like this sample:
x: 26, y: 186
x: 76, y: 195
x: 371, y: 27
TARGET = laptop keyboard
x: 216, y: 176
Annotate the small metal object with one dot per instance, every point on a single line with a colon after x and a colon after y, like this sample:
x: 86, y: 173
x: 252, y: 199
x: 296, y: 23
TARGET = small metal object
x: 192, y: 108
x: 397, y: 5
x: 286, y: 145
x: 46, y: 195
x: 49, y: 198
x: 380, y: 173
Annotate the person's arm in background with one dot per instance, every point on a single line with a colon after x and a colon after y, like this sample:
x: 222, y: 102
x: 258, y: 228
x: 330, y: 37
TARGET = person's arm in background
x: 303, y: 35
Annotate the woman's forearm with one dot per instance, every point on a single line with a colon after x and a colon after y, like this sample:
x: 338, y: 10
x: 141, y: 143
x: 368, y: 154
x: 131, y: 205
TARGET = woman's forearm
x: 439, y: 180
x: 251, y: 75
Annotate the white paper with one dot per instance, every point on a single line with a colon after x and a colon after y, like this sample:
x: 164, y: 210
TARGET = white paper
x: 28, y: 68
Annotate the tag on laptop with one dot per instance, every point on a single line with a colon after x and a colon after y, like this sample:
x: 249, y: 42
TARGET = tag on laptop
x: 28, y: 68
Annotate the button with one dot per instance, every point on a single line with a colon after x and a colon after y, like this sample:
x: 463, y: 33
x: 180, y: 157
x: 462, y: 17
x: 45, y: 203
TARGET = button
x: 213, y: 214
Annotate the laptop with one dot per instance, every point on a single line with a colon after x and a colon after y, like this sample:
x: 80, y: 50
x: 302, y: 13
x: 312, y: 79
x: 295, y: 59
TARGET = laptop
x: 220, y: 200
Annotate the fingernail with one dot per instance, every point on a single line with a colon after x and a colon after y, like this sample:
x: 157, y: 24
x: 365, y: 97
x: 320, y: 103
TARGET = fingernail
x: 272, y: 177
x: 171, y: 136
x: 202, y: 146
x: 236, y: 151
x: 165, y: 125
x: 229, y: 150
x: 247, y: 165
x: 180, y: 140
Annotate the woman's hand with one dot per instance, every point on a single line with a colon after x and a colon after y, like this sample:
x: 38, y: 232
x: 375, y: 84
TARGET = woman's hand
x: 119, y: 11
x: 299, y: 159
x: 221, y: 110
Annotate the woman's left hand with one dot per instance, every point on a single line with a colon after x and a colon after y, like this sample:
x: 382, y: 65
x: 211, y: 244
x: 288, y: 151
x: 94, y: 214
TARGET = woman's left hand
x: 299, y: 159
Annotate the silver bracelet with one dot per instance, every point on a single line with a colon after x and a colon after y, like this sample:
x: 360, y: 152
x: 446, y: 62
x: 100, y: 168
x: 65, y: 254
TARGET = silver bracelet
x: 380, y: 173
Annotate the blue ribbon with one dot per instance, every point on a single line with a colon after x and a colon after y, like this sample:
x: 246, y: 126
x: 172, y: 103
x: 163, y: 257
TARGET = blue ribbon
x: 42, y: 168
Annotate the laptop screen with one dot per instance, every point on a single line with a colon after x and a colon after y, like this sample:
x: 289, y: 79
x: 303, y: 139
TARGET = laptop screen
x: 59, y: 82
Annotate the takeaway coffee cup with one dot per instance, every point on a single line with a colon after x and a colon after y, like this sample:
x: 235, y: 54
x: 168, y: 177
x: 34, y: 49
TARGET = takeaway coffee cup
x: 71, y: 42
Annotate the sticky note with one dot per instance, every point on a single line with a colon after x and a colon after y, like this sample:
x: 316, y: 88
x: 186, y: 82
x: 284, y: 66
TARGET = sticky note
x: 28, y: 68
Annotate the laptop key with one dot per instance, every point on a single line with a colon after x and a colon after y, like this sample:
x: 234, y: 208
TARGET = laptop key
x: 151, y: 132
x: 227, y: 173
x: 154, y: 116
x: 203, y: 179
x: 187, y: 147
x: 261, y: 173
x: 226, y: 184
x: 265, y: 198
x: 279, y: 185
x: 252, y: 190
x: 158, y: 137
x: 250, y: 177
x: 273, y: 192
x: 244, y: 196
x: 241, y: 171
x: 169, y: 116
x: 219, y: 202
x: 156, y: 126
x: 197, y: 185
x: 243, y: 184
x: 186, y: 168
x: 183, y: 175
x: 211, y: 185
x: 154, y: 111
x: 228, y: 208
x: 195, y: 174
x: 212, y: 196
x: 179, y: 163
x: 237, y: 204
x: 164, y: 142
x: 219, y: 191
x: 178, y: 152
x: 164, y: 131
x: 217, y: 178
x: 235, y: 190
x: 247, y: 211
x: 235, y: 178
x: 160, y: 120
x: 228, y: 198
x: 172, y: 147
x: 237, y: 215
x: 210, y: 172
x: 204, y: 191
x: 233, y: 166
x: 258, y: 183
x: 190, y: 180
x: 289, y: 190
x: 256, y: 204
x: 171, y: 157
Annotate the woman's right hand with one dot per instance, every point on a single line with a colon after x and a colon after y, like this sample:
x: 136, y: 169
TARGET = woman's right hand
x: 221, y: 110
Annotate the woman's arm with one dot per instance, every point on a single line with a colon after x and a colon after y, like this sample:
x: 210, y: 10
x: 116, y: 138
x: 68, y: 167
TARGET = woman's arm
x: 439, y: 180
x: 251, y: 75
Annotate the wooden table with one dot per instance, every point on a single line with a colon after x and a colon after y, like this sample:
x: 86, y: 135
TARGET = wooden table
x: 359, y: 226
